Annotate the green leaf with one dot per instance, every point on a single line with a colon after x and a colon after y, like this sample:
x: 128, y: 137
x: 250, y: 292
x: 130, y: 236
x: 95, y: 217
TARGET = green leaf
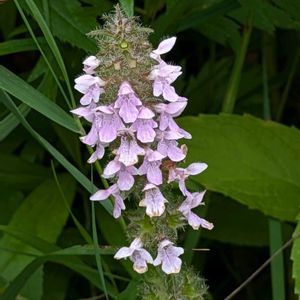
x: 295, y: 256
x: 127, y: 6
x: 10, y: 122
x: 17, y: 87
x: 234, y: 223
x: 9, y: 202
x: 17, y: 173
x: 266, y: 15
x: 20, y: 45
x: 253, y: 161
x: 43, y: 213
x: 71, y: 16
x: 222, y: 30
x: 81, y: 178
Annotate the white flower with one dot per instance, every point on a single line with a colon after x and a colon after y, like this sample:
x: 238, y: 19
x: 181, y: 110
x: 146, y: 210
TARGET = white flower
x: 138, y: 255
x: 154, y: 201
x: 167, y: 256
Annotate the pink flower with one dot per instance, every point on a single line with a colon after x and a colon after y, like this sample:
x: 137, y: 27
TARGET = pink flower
x: 154, y: 201
x: 151, y: 167
x: 127, y: 103
x: 98, y: 153
x: 87, y: 112
x: 129, y: 150
x: 168, y: 146
x: 138, y: 255
x: 105, y: 127
x: 125, y: 174
x: 115, y: 193
x: 168, y: 257
x: 180, y: 174
x: 91, y: 87
x: 90, y: 64
x: 193, y: 200
x: 167, y: 112
x: 164, y: 47
x: 144, y: 130
x: 163, y: 75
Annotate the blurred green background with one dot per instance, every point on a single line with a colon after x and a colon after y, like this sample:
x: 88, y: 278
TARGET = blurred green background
x: 241, y: 74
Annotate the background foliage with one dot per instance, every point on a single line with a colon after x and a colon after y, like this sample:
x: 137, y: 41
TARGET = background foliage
x: 241, y: 74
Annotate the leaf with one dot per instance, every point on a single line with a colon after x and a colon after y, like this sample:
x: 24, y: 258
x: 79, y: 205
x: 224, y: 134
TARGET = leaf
x: 127, y: 6
x: 266, y: 15
x: 19, y: 45
x: 234, y: 223
x: 9, y: 202
x: 295, y: 256
x: 10, y: 122
x: 81, y: 178
x: 253, y: 161
x: 41, y: 245
x: 43, y: 213
x: 16, y: 173
x: 64, y: 14
x: 203, y: 15
x: 222, y: 30
x: 17, y: 87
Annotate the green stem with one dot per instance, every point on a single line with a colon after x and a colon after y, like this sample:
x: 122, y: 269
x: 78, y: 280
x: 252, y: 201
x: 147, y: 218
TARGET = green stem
x: 234, y: 80
x: 275, y: 228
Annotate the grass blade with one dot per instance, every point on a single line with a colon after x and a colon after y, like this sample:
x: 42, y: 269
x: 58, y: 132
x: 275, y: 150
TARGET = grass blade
x: 81, y: 178
x: 20, y: 45
x: 52, y: 44
x: 17, y: 87
x: 10, y: 122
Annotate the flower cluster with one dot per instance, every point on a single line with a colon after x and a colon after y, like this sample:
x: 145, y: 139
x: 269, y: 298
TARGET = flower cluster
x: 141, y: 134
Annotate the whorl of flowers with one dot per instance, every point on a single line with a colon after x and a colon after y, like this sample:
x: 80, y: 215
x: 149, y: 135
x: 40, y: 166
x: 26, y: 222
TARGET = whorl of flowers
x: 129, y: 100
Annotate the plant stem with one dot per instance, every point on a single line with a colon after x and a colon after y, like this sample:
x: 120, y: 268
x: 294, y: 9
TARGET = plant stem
x: 234, y: 80
x: 275, y: 228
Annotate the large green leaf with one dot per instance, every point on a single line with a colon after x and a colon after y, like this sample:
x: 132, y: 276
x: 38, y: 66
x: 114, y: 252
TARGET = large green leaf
x: 17, y: 87
x: 268, y: 16
x: 76, y: 22
x: 295, y: 256
x: 234, y: 223
x: 42, y: 213
x: 253, y: 161
x: 17, y: 173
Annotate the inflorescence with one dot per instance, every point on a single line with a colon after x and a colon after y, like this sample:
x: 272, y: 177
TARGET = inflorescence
x: 129, y: 100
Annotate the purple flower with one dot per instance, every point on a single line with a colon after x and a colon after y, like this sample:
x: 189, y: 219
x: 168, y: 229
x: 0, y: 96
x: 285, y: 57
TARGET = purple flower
x: 115, y: 193
x: 168, y: 257
x: 91, y: 87
x: 151, y: 167
x: 139, y: 256
x: 164, y: 47
x: 105, y: 127
x: 127, y: 103
x: 163, y: 75
x: 125, y: 174
x: 129, y: 150
x: 86, y: 112
x: 180, y: 174
x: 168, y: 146
x: 90, y: 64
x: 167, y: 112
x: 154, y: 201
x: 193, y: 200
x: 144, y: 130
x: 98, y: 153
